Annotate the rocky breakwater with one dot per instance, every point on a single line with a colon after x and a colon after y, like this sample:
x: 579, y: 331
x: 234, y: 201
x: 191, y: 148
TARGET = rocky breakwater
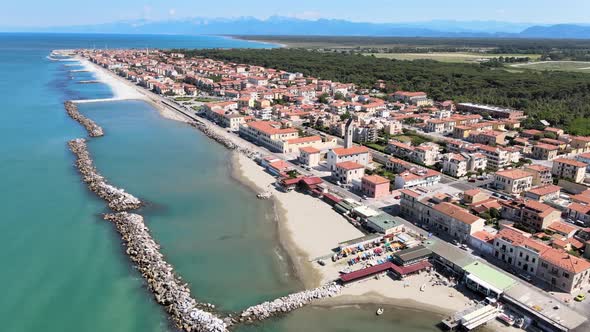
x: 93, y: 129
x: 117, y: 199
x: 167, y: 288
x: 221, y: 139
x: 287, y: 303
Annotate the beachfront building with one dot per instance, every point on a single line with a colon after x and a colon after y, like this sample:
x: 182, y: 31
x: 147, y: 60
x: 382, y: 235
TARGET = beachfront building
x: 484, y: 279
x: 374, y: 186
x: 348, y: 172
x: 356, y: 154
x: 513, y: 181
x: 569, y: 169
x: 439, y: 216
x: 309, y: 156
x: 564, y: 271
x: 269, y: 134
x: 385, y: 224
x: 293, y: 145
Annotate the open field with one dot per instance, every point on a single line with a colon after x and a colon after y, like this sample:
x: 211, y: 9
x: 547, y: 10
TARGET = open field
x: 576, y: 66
x: 449, y: 56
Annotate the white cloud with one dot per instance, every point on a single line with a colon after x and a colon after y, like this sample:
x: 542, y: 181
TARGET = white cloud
x: 172, y: 12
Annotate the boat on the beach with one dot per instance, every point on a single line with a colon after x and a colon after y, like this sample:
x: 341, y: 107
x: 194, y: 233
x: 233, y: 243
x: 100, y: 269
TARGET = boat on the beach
x: 379, y: 311
x: 423, y: 287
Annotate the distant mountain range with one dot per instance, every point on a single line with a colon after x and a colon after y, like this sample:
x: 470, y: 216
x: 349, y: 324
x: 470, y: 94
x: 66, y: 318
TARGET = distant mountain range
x: 278, y: 25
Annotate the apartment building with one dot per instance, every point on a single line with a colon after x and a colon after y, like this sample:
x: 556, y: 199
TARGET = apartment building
x: 513, y: 181
x: 455, y: 165
x: 347, y: 172
x: 569, y: 169
x: 269, y: 134
x: 564, y: 271
x: 541, y: 174
x: 542, y: 151
x: 417, y: 177
x: 530, y: 213
x: 440, y: 216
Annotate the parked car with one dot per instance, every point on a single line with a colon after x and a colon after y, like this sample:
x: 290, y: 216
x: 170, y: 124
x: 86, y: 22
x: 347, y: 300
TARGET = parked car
x: 580, y: 297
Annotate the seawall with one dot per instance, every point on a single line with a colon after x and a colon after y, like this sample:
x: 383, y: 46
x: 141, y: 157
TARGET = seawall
x: 168, y: 289
x: 93, y: 129
x: 117, y: 199
x: 287, y: 303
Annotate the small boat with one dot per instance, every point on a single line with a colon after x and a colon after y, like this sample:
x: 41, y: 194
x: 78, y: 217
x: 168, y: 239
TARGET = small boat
x: 423, y: 287
x: 380, y: 311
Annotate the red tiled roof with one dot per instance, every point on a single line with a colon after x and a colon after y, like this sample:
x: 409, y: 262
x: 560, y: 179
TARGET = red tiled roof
x: 571, y: 162
x: 349, y: 165
x: 369, y: 271
x: 375, y: 179
x: 309, y: 149
x: 350, y: 151
x: 308, y: 139
x: 565, y: 261
x: 456, y: 212
x: 544, y: 190
x: 513, y: 174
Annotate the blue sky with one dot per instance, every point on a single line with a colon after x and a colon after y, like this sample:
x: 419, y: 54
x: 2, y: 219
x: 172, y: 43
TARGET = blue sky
x: 27, y: 13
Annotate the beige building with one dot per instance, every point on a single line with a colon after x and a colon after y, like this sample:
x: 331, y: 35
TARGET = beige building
x: 440, y: 216
x: 454, y: 165
x: 348, y: 172
x: 269, y: 134
x: 541, y: 174
x: 513, y: 181
x: 357, y: 154
x: 309, y: 156
x: 542, y: 151
x: 569, y: 169
x: 564, y: 271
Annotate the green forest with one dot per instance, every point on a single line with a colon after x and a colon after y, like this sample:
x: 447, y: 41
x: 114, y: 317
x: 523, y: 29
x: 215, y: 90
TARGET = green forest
x: 561, y: 98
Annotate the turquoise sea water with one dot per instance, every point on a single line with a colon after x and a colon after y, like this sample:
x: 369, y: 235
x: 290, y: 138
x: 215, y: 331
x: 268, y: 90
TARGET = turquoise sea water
x: 63, y: 267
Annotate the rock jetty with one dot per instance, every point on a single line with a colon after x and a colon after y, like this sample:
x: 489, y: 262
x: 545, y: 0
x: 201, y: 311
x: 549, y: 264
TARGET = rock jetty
x: 221, y: 139
x: 168, y: 289
x: 288, y: 303
x: 117, y: 199
x: 93, y: 129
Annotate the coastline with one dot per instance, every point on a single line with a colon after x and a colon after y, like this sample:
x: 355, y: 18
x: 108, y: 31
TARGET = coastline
x: 301, y: 240
x: 265, y: 42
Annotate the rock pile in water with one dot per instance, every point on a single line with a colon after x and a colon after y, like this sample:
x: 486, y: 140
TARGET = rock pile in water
x: 93, y: 129
x: 117, y: 199
x: 211, y: 133
x: 167, y: 288
x: 288, y: 303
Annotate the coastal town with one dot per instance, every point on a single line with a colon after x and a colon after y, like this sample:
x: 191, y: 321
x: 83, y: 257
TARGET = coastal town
x: 462, y: 200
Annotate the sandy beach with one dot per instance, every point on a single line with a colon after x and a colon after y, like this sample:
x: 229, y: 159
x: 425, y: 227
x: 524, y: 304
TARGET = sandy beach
x: 125, y: 90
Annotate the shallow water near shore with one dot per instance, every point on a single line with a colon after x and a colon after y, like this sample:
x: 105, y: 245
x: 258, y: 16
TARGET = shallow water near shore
x: 64, y: 267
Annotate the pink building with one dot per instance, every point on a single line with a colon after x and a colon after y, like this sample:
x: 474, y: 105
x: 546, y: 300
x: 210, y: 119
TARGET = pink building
x: 375, y: 186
